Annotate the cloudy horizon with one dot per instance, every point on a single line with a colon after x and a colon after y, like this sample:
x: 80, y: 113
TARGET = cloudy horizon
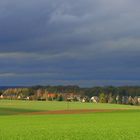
x: 62, y: 42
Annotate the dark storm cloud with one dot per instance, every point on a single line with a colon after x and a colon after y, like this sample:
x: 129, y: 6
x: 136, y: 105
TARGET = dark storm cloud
x: 66, y: 41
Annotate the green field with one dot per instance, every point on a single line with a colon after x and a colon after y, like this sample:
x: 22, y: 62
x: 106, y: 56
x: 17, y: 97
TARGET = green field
x: 118, y: 125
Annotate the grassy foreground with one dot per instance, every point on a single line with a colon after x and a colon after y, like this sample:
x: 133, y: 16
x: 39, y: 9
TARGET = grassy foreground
x: 119, y: 125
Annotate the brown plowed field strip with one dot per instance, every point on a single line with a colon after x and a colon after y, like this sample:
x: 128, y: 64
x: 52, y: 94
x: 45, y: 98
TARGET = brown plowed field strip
x: 80, y: 111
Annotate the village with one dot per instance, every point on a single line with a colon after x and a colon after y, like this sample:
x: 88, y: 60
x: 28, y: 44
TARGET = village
x: 44, y: 95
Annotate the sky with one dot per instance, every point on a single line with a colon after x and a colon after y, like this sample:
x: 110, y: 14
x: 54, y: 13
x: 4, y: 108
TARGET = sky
x: 68, y: 42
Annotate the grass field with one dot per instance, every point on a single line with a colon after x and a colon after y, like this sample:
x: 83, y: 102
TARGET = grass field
x: 116, y: 125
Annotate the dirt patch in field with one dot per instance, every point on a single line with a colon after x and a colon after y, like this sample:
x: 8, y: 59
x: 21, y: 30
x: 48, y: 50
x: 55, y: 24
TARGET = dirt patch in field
x: 80, y: 111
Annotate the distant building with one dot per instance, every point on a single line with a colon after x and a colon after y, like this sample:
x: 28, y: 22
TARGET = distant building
x: 1, y: 97
x: 94, y: 99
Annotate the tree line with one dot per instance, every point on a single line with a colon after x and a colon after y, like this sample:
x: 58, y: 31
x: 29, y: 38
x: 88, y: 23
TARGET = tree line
x: 107, y: 94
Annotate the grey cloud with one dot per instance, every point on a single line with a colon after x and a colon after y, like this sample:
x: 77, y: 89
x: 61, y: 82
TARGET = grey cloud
x: 69, y: 40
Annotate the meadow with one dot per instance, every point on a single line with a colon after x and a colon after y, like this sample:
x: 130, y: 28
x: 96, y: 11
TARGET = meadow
x: 15, y: 124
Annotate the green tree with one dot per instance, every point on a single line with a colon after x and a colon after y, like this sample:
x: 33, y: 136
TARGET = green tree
x: 102, y: 98
x: 60, y: 98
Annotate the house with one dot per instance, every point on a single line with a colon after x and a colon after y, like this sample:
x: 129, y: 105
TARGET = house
x: 85, y: 99
x: 125, y: 100
x: 72, y: 97
x: 94, y: 99
x: 1, y: 97
x: 51, y: 96
x: 130, y: 100
x: 19, y: 97
x: 138, y: 100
